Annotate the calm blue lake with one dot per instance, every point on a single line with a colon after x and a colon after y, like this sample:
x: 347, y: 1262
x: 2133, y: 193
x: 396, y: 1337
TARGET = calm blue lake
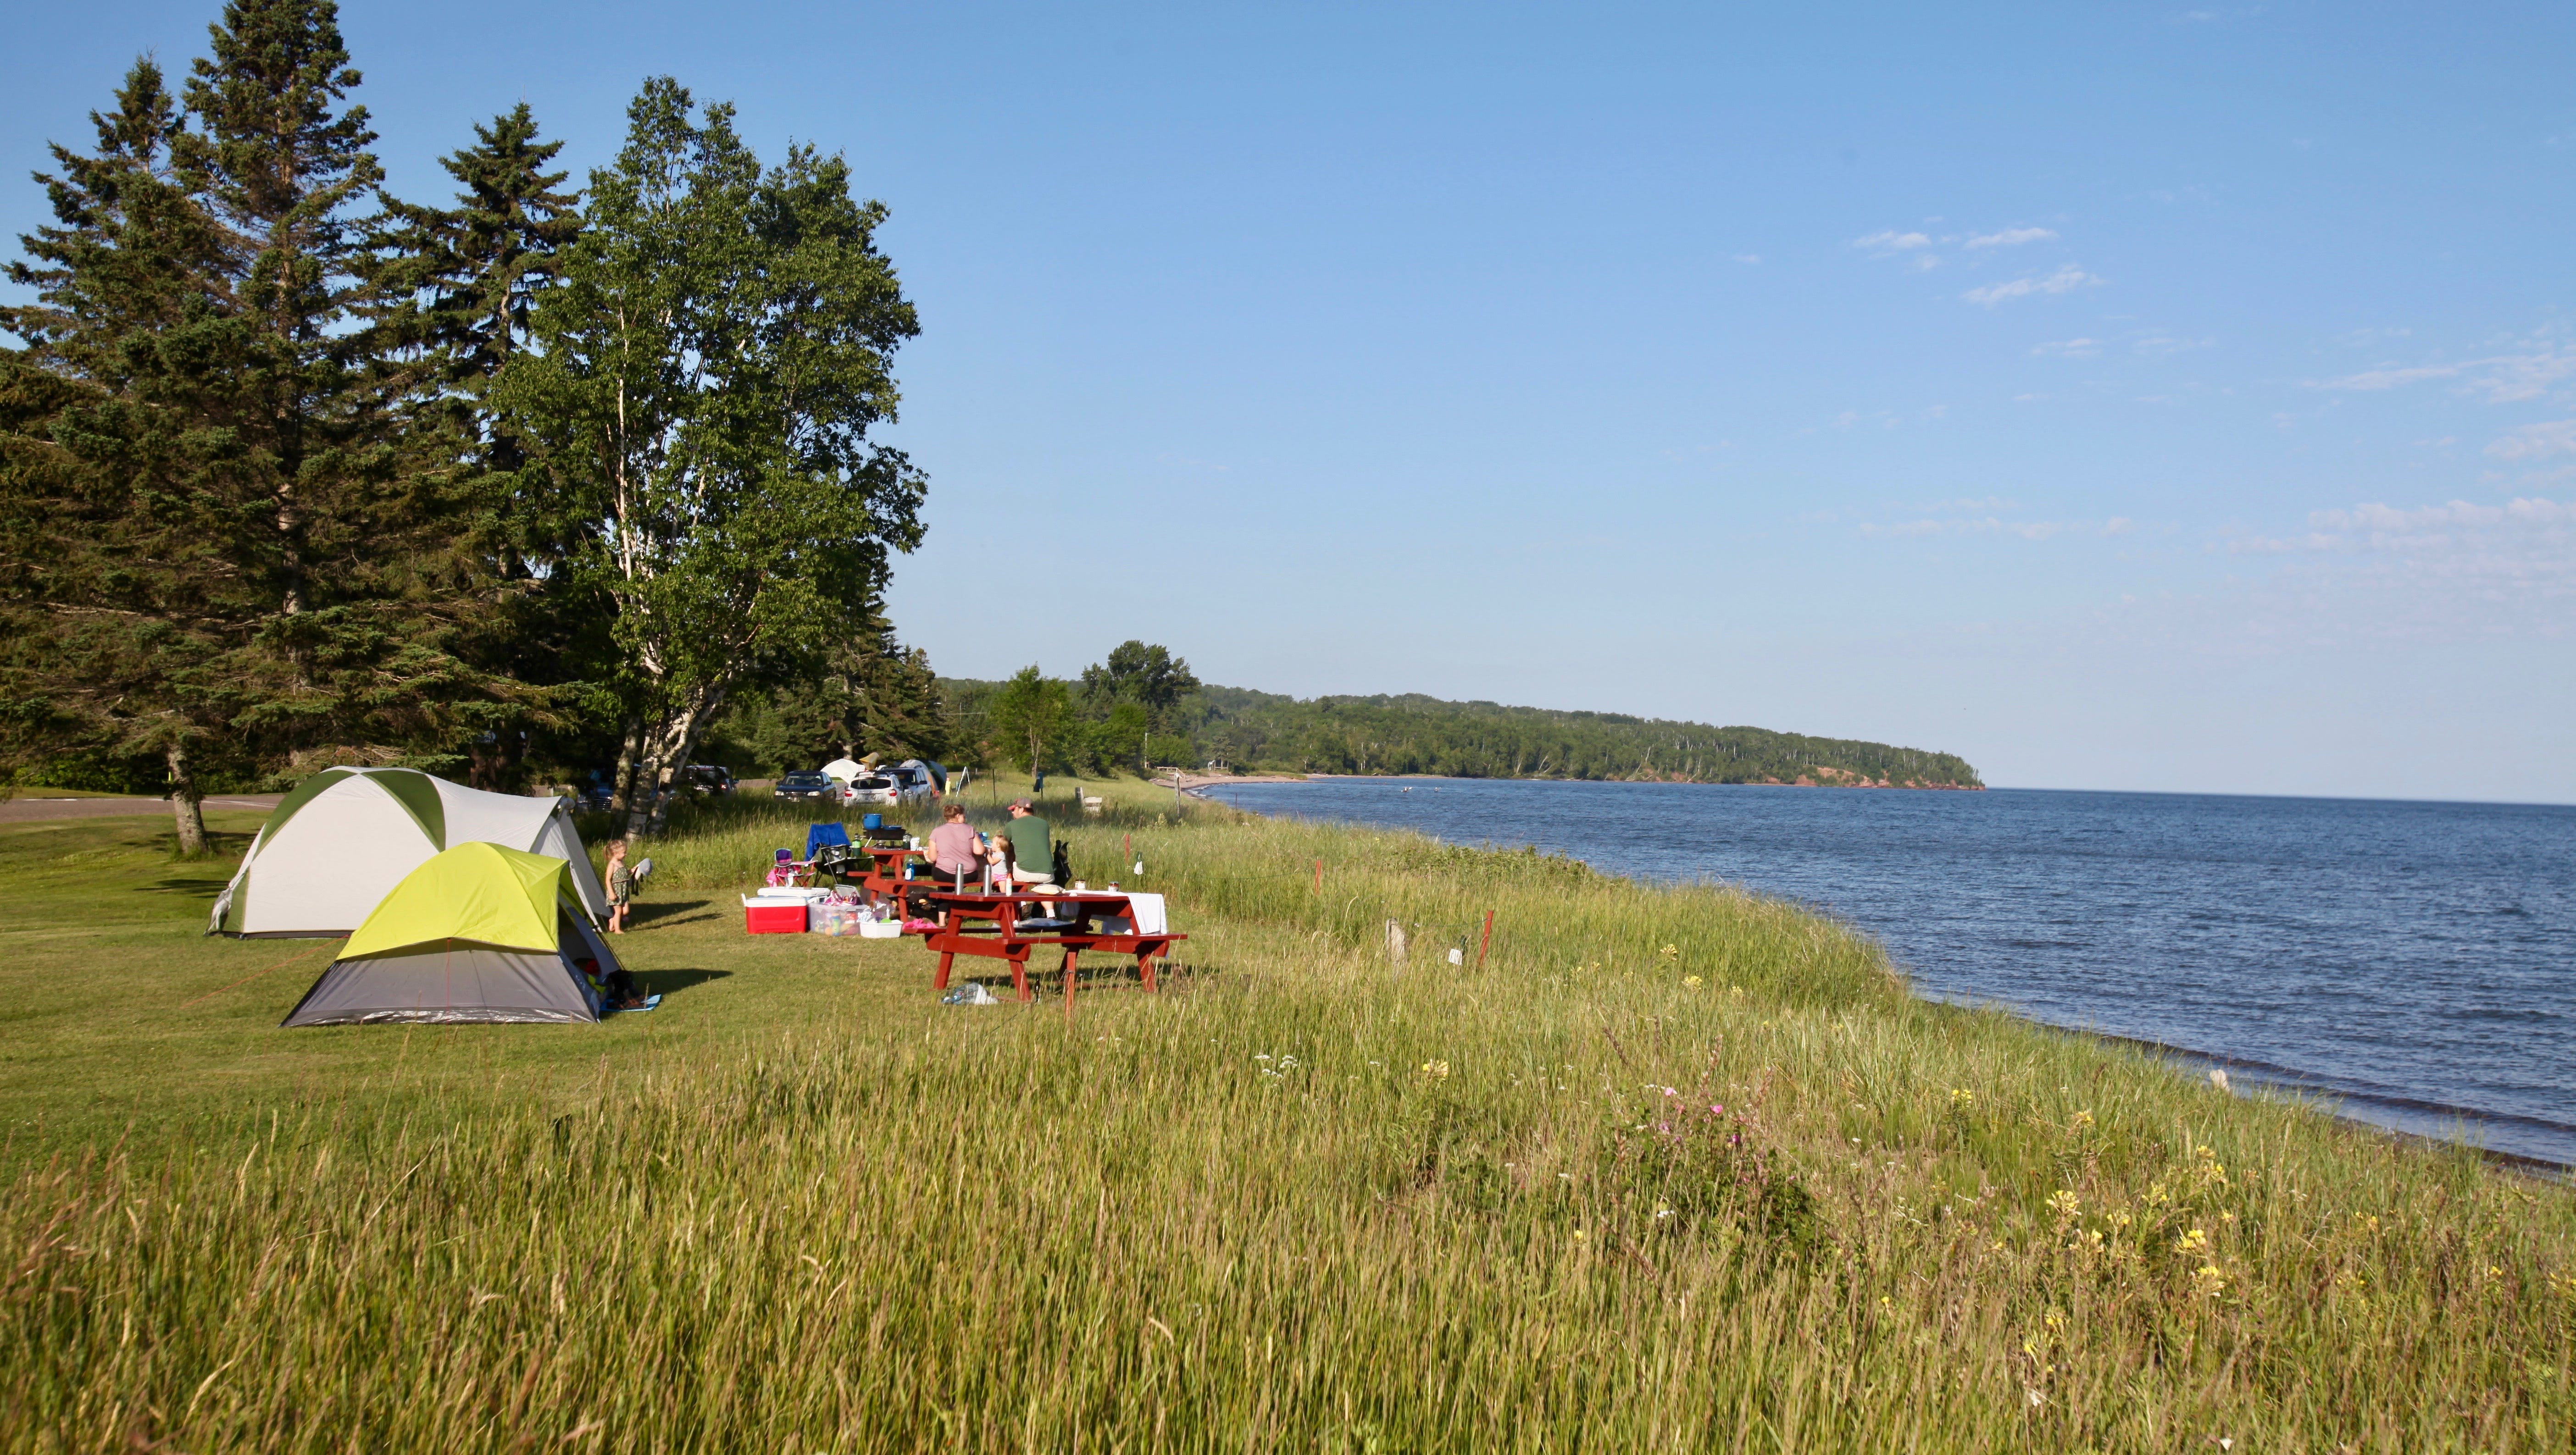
x: 2415, y: 961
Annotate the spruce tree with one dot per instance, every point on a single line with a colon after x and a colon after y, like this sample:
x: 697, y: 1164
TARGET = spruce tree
x: 459, y: 283
x: 228, y: 551
x: 468, y: 276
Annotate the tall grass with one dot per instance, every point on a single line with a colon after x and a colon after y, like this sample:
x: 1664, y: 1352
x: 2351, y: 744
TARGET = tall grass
x: 1743, y: 1195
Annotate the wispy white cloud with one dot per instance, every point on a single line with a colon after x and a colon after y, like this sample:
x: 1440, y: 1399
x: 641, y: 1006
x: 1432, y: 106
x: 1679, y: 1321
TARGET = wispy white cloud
x: 1893, y: 242
x: 2070, y: 348
x: 2064, y: 280
x: 2537, y: 441
x: 1748, y: 257
x: 2528, y: 372
x: 2028, y: 530
x: 2457, y: 571
x: 2428, y: 528
x: 2166, y: 344
x: 2011, y: 237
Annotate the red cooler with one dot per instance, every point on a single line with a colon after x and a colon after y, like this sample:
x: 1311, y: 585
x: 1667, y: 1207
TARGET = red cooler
x: 774, y: 917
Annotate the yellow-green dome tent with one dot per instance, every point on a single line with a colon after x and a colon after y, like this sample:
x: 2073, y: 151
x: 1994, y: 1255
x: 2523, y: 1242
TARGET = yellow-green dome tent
x: 478, y: 933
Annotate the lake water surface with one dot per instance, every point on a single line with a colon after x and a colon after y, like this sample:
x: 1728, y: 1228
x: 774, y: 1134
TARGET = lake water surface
x: 2416, y: 961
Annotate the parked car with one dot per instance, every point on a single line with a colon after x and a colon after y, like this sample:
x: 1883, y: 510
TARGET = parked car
x: 817, y: 787
x: 873, y: 790
x: 708, y: 778
x: 915, y: 781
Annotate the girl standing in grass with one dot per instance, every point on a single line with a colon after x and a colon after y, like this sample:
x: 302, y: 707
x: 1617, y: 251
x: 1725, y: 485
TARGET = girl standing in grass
x: 621, y: 887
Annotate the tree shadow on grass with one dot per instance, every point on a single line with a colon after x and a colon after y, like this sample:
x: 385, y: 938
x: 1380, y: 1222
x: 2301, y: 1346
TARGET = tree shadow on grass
x: 672, y: 982
x: 662, y: 916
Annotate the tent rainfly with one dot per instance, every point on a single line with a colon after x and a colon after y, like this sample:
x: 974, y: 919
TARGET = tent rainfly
x: 478, y: 933
x: 338, y: 844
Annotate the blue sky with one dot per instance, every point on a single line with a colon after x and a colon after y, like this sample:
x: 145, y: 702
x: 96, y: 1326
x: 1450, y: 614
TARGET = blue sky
x: 2121, y: 396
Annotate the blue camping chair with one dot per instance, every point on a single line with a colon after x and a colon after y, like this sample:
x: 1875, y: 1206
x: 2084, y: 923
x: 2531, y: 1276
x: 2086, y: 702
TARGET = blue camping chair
x: 821, y: 834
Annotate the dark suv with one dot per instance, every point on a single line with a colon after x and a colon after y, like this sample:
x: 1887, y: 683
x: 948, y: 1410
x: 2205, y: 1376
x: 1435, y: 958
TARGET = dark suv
x: 708, y: 778
x: 808, y: 785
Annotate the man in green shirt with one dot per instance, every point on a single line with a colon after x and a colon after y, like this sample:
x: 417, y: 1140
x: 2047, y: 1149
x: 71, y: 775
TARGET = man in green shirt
x: 1032, y: 847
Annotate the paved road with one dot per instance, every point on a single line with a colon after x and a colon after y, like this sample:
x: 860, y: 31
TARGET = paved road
x: 29, y: 810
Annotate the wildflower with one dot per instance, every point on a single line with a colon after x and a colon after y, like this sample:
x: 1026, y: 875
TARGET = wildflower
x: 2034, y: 1396
x: 1670, y: 952
x: 2120, y: 1218
x: 1662, y: 1213
x: 2191, y: 1242
x: 1578, y: 1235
x: 1962, y: 1099
x: 2083, y: 1121
x: 1435, y: 1071
x: 1690, y: 982
x: 2066, y: 1205
x: 2208, y: 1281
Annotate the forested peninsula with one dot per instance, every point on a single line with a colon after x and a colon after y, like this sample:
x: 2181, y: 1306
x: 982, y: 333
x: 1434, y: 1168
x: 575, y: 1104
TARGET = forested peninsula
x: 1268, y: 732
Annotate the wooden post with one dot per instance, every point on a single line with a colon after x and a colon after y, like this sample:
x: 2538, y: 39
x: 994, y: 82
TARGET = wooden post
x: 1487, y: 942
x: 1395, y: 943
x: 1319, y: 876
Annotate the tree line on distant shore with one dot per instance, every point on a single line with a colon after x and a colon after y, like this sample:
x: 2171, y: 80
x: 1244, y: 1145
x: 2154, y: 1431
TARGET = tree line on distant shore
x: 294, y: 472
x: 1118, y: 721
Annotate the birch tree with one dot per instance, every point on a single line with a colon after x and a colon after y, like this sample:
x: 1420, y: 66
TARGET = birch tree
x: 703, y: 380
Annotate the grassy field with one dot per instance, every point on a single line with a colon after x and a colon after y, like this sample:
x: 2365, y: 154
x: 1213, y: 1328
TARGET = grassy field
x: 1669, y: 1169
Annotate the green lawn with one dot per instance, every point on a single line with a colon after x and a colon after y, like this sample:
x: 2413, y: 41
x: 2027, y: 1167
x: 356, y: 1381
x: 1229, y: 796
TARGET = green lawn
x: 1673, y: 1170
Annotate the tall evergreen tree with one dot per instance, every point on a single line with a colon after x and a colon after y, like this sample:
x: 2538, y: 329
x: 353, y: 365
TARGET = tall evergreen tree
x: 460, y: 284
x: 225, y: 555
x: 468, y: 275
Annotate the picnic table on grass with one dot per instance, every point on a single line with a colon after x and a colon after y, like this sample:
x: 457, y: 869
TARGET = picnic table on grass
x: 1012, y: 926
x: 883, y: 870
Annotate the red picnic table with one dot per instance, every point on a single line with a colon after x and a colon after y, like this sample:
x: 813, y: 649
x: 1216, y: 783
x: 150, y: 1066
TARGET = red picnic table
x: 1007, y: 927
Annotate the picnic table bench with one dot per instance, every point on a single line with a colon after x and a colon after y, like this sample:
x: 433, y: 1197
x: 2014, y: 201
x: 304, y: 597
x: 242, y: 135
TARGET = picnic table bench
x: 1003, y: 927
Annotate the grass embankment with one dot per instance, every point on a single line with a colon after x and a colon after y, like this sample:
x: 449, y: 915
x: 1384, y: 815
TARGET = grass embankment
x: 1675, y: 1169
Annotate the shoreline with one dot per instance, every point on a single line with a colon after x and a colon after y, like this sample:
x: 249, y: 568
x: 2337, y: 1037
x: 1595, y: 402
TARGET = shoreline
x: 1191, y: 782
x: 2184, y: 1060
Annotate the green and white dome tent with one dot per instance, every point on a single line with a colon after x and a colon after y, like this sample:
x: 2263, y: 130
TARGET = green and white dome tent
x: 338, y: 844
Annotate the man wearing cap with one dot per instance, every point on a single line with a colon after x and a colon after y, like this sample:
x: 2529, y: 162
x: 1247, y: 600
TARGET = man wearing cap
x: 1032, y: 845
x: 1031, y: 848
